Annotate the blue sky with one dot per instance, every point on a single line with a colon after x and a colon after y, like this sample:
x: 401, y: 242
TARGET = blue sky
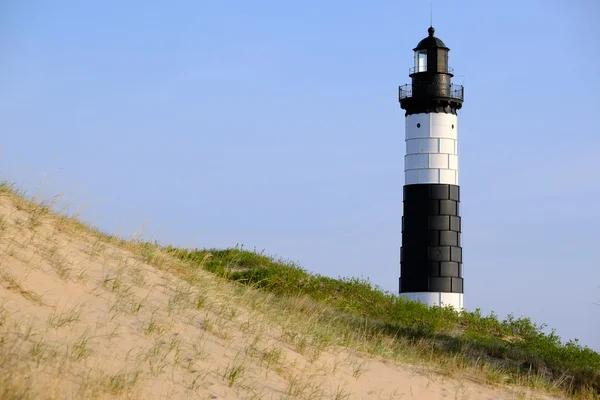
x: 276, y: 125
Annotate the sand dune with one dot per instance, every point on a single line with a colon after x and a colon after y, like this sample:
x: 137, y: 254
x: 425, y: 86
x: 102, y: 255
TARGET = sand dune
x: 84, y: 316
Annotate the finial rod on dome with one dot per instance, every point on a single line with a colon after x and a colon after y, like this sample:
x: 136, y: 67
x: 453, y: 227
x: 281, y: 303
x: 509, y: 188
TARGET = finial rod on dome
x: 431, y: 31
x: 431, y: 13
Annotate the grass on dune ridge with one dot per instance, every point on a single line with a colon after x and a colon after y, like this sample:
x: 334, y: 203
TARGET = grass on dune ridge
x: 516, y: 346
x: 316, y: 312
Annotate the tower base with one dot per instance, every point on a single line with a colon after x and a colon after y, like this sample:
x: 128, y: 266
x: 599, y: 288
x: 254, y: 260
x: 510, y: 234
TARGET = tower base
x: 441, y: 299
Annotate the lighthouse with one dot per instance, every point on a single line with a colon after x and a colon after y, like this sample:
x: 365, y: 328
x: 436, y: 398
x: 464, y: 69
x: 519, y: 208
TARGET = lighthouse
x: 431, y: 269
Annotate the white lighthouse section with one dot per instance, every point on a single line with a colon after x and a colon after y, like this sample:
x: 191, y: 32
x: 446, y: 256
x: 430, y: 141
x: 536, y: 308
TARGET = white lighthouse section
x: 437, y: 299
x: 431, y: 149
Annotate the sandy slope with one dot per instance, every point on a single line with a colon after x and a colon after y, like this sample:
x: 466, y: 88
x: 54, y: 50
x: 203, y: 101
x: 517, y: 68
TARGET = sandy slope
x: 83, y: 317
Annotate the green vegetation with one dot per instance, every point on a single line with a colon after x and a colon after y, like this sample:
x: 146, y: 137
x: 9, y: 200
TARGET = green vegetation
x: 265, y: 299
x: 516, y: 348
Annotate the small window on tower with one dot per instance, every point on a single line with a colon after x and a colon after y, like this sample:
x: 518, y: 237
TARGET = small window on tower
x: 421, y: 61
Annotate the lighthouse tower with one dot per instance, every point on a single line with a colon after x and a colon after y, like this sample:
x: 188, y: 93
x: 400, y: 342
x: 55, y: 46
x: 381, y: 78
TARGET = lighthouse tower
x: 431, y: 254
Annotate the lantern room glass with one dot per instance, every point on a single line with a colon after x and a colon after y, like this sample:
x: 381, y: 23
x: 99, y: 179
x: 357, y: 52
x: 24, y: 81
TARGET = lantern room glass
x: 421, y: 61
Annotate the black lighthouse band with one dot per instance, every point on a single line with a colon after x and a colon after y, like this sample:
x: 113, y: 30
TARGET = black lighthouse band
x: 431, y: 253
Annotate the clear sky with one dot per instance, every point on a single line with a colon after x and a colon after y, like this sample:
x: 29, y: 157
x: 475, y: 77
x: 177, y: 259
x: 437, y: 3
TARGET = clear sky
x: 276, y: 124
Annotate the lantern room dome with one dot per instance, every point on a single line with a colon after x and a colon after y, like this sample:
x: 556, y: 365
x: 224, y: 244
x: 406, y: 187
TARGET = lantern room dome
x: 430, y: 42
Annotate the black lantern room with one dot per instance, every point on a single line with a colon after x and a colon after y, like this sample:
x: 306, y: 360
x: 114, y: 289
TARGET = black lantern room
x: 432, y: 89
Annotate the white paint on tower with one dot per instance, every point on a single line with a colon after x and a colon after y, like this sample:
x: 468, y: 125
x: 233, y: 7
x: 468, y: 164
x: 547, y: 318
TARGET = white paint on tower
x: 441, y: 299
x: 431, y: 149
